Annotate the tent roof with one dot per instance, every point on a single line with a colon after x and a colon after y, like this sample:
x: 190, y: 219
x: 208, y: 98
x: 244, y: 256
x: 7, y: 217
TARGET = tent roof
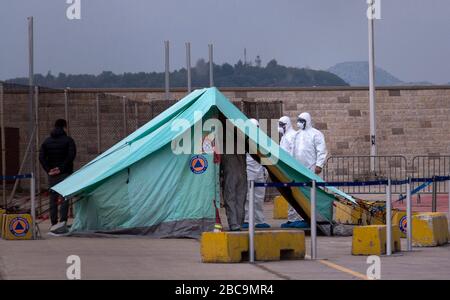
x: 158, y: 132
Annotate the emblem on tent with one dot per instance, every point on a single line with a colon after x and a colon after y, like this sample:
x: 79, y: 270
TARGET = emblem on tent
x: 198, y: 164
x: 19, y: 226
x: 402, y: 224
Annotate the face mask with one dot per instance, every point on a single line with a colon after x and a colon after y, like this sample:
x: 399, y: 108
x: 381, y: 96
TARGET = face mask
x: 281, y: 127
x: 301, y: 123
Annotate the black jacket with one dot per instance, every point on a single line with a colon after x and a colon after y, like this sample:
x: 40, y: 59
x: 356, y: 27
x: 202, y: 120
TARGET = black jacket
x: 58, y: 150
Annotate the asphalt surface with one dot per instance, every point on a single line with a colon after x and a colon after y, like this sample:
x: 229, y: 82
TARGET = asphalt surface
x: 144, y: 258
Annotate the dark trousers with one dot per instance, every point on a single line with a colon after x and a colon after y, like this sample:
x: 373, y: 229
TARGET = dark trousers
x: 234, y: 188
x: 64, y: 209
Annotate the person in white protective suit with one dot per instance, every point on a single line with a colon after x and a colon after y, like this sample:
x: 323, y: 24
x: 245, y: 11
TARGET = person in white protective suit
x: 288, y: 134
x: 310, y: 150
x: 287, y: 144
x: 257, y: 173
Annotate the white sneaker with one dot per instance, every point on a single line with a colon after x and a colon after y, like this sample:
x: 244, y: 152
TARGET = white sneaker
x: 59, y: 228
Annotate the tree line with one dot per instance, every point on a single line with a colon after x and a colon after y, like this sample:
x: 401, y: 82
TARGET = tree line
x: 225, y: 75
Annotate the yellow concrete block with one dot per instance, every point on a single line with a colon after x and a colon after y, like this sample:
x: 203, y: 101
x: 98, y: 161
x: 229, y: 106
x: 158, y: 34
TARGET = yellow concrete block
x: 429, y: 229
x: 371, y: 240
x: 279, y: 244
x: 399, y: 219
x: 347, y: 213
x: 225, y: 247
x: 280, y: 208
x: 231, y: 247
x: 17, y: 227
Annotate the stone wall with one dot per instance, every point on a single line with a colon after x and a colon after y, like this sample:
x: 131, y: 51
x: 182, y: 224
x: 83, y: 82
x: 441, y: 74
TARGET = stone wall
x: 410, y: 120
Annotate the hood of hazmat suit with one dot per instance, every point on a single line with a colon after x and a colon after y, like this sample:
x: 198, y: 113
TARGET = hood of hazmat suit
x: 309, y: 144
x: 287, y: 140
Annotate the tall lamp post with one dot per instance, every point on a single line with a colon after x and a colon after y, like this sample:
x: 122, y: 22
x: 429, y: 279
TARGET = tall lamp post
x: 372, y: 13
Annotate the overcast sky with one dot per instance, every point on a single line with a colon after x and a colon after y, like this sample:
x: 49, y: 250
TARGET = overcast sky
x: 412, y: 38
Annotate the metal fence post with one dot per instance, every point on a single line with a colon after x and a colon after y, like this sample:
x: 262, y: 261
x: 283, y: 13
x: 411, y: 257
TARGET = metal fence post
x: 408, y: 216
x: 388, y: 218
x: 2, y: 125
x: 211, y: 65
x: 167, y: 71
x: 251, y: 222
x: 448, y: 187
x: 66, y: 108
x: 33, y: 204
x: 313, y: 221
x: 38, y: 169
x: 97, y: 106
x: 434, y: 195
x: 188, y: 66
x: 124, y: 106
x: 136, y: 115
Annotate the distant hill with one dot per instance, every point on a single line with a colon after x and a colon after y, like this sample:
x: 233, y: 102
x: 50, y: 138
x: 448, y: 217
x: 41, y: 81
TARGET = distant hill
x: 226, y: 75
x: 357, y: 74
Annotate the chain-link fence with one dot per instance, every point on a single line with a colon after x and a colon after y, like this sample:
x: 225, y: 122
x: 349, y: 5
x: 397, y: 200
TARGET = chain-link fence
x: 96, y: 121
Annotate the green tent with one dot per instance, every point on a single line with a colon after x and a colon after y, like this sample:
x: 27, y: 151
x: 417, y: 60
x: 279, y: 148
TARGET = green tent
x: 140, y: 186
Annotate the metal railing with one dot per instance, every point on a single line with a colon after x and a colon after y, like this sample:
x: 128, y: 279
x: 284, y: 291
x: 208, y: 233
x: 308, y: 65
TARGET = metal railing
x: 366, y: 168
x: 431, y: 166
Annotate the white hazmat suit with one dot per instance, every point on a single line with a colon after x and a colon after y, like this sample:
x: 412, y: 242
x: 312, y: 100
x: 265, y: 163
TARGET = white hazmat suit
x: 258, y: 173
x: 285, y: 128
x: 309, y: 149
x: 287, y: 144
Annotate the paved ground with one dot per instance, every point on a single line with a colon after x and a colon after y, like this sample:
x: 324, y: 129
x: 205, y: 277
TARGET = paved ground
x: 142, y: 258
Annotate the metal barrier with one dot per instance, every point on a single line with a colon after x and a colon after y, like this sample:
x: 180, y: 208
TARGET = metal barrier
x: 388, y: 184
x: 429, y: 166
x: 366, y: 168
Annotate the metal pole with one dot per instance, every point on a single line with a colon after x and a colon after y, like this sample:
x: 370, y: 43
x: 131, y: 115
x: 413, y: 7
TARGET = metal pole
x: 389, y: 218
x: 448, y: 187
x: 2, y: 125
x: 434, y: 196
x: 167, y: 85
x: 38, y: 169
x: 188, y: 66
x: 31, y: 88
x: 124, y: 105
x: 251, y: 221
x: 33, y: 204
x: 97, y: 104
x: 372, y: 108
x: 211, y: 65
x: 66, y: 108
x: 408, y: 216
x: 313, y: 222
x: 136, y: 115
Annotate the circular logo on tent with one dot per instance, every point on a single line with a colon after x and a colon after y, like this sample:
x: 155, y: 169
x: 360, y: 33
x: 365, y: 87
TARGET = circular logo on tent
x: 19, y: 226
x: 198, y: 164
x: 402, y: 224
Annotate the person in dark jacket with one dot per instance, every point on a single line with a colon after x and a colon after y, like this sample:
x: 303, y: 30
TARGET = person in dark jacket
x: 56, y: 156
